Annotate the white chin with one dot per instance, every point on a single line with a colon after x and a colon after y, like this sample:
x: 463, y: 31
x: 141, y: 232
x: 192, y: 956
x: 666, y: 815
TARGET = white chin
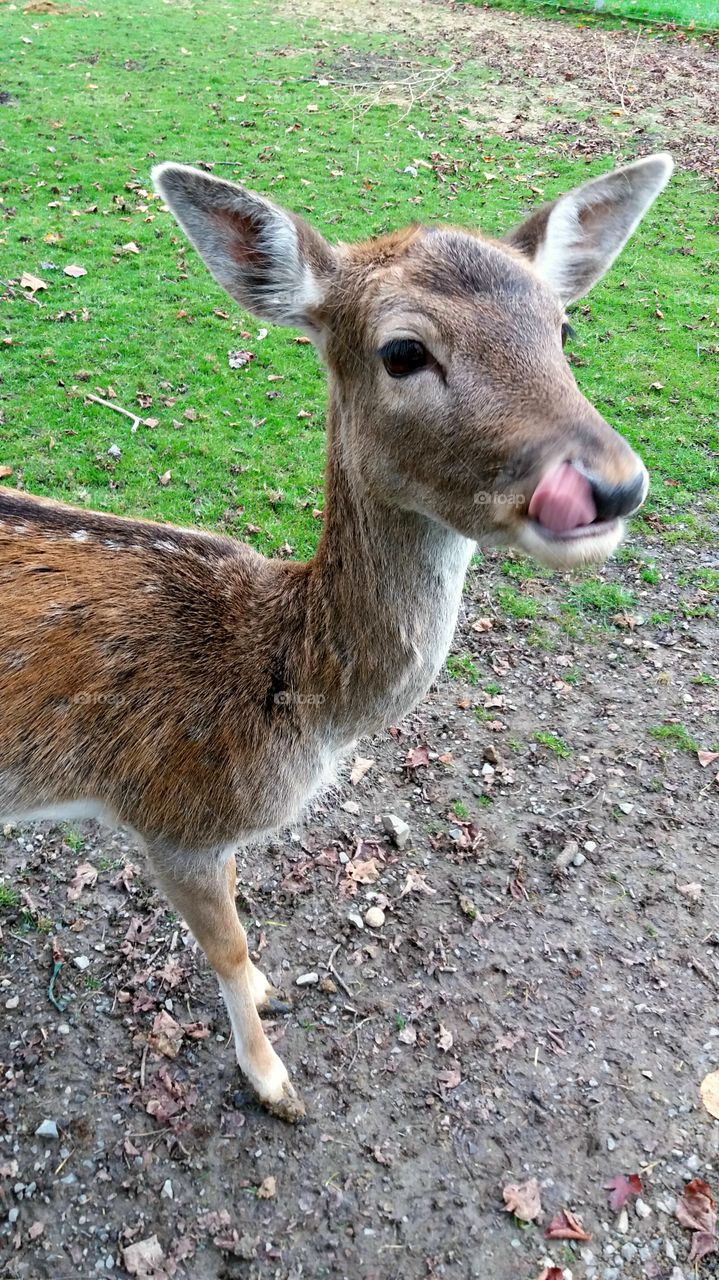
x: 592, y: 544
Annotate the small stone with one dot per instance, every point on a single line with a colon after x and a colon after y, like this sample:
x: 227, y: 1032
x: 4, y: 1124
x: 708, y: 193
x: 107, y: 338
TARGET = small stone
x: 13, y: 1215
x: 307, y: 980
x: 12, y: 1003
x: 623, y: 1222
x: 350, y: 806
x: 167, y: 1193
x: 63, y: 1028
x: 374, y: 917
x: 410, y: 169
x: 81, y: 962
x: 625, y: 806
x: 114, y: 451
x: 397, y: 829
x: 491, y: 755
x: 579, y: 859
x: 670, y: 1251
x: 641, y: 1208
x: 677, y: 1274
x: 48, y: 1129
x: 629, y: 1251
x: 9, y: 830
x: 355, y: 918
x: 611, y: 1144
x: 590, y: 846
x: 693, y: 1164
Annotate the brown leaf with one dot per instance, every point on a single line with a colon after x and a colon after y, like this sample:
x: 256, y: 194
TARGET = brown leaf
x: 165, y: 478
x: 85, y: 878
x: 130, y: 247
x: 417, y: 758
x: 364, y: 872
x: 522, y: 1199
x: 408, y: 1035
x: 482, y: 624
x: 415, y: 883
x: 31, y: 283
x: 445, y: 1039
x: 267, y: 1188
x: 74, y: 271
x: 449, y: 1079
x: 692, y: 890
x: 695, y: 1209
x: 703, y: 1243
x: 565, y: 1226
x: 5, y: 472
x: 706, y: 758
x: 238, y: 359
x: 143, y: 1258
x: 166, y: 1035
x: 621, y: 1189
x: 551, y: 1273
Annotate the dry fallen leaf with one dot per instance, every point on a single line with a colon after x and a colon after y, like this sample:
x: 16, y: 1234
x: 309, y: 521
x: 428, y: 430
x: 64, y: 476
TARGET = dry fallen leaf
x: 360, y: 767
x: 143, y: 1258
x: 130, y: 247
x: 565, y: 1226
x: 415, y: 883
x: 522, y: 1199
x: 238, y: 359
x: 267, y: 1188
x: 706, y: 758
x: 697, y: 1212
x: 366, y: 872
x: 85, y: 877
x: 710, y: 1093
x: 31, y: 283
x: 417, y: 758
x: 5, y: 472
x: 621, y: 1189
x: 166, y: 1035
x: 482, y: 624
x: 165, y: 478
x: 408, y: 1035
x: 74, y: 271
x: 445, y: 1039
x: 552, y: 1273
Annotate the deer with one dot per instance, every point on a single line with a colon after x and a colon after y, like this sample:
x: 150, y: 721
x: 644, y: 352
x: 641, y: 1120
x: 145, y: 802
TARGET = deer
x: 176, y: 682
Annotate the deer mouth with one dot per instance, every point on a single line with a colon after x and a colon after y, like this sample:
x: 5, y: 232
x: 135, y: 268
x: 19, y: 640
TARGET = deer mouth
x: 563, y: 527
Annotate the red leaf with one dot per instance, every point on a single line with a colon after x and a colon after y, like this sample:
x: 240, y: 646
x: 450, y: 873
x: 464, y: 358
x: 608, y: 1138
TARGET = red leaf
x: 417, y: 757
x: 566, y: 1227
x: 703, y: 1243
x: 621, y: 1189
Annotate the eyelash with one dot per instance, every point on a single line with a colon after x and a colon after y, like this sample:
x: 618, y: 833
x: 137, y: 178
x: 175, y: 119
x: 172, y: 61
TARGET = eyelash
x: 404, y: 356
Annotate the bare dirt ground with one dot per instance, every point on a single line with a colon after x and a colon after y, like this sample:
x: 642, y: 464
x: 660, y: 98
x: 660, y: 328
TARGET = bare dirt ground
x: 540, y: 1001
x: 602, y: 89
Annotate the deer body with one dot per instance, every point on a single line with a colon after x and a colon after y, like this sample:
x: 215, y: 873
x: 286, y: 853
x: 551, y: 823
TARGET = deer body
x: 181, y: 684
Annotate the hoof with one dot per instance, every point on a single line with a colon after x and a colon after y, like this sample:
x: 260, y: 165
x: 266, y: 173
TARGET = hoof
x: 280, y: 1008
x: 289, y: 1107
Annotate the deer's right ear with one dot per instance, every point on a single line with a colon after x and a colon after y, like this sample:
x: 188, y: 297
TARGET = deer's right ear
x: 273, y: 263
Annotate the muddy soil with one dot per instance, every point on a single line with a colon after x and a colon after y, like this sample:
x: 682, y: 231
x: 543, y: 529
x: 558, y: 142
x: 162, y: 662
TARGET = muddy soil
x: 542, y: 999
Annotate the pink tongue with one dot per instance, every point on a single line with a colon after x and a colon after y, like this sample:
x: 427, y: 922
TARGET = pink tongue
x: 563, y: 500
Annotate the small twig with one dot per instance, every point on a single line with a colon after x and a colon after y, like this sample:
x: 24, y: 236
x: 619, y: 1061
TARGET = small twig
x: 335, y: 974
x: 117, y: 408
x: 142, y: 1067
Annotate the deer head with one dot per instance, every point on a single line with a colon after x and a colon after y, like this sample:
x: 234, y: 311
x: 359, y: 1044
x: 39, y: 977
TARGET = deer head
x: 450, y: 393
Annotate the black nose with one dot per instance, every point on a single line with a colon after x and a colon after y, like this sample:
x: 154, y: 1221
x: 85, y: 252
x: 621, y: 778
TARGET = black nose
x: 618, y: 499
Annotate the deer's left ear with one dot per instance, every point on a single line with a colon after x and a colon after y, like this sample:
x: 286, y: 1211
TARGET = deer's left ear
x: 574, y: 240
x: 272, y: 262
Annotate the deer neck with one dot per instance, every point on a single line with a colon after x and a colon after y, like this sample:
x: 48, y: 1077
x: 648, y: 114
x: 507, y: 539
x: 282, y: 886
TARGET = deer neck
x: 384, y: 594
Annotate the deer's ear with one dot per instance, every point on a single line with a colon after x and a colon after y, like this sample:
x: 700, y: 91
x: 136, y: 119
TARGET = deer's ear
x: 270, y: 261
x: 574, y: 240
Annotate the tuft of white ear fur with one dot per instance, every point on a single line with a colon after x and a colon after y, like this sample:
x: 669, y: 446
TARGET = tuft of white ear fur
x: 270, y: 261
x: 573, y: 241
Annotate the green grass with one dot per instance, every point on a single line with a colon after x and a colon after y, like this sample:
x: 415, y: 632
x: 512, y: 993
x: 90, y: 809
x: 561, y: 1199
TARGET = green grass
x: 674, y: 735
x: 702, y: 15
x: 9, y: 898
x: 97, y: 99
x: 556, y: 745
x: 461, y: 667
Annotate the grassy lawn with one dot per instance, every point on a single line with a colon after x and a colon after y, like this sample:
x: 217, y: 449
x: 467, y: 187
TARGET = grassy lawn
x: 95, y: 100
x: 700, y: 15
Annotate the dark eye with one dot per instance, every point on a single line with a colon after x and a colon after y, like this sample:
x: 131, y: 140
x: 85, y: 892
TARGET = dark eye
x: 567, y: 332
x: 403, y: 356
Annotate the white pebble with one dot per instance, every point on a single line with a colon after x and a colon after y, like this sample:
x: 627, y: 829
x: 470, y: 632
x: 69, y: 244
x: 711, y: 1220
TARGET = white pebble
x: 48, y: 1129
x: 642, y: 1209
x: 307, y: 980
x: 167, y: 1193
x: 81, y: 962
x: 374, y: 917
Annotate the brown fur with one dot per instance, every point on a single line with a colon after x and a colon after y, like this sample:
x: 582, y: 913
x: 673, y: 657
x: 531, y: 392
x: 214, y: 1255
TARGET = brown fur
x: 199, y: 693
